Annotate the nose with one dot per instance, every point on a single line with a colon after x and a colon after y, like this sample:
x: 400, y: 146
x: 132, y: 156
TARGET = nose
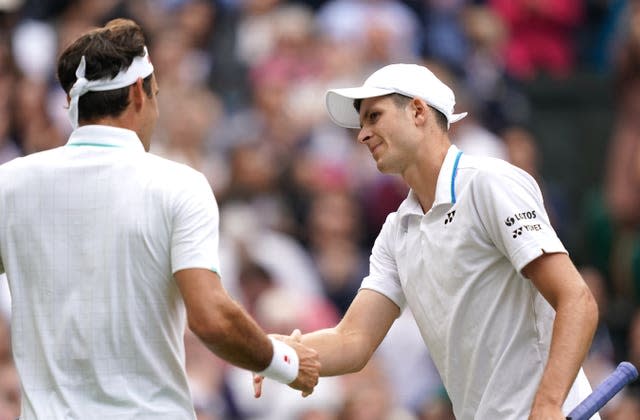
x: 364, y: 135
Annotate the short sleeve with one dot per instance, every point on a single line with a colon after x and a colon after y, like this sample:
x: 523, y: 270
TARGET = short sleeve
x: 195, y: 233
x: 511, y: 209
x: 383, y: 272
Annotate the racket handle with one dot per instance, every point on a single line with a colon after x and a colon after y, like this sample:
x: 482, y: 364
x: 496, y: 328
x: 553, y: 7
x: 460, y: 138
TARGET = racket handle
x: 624, y: 373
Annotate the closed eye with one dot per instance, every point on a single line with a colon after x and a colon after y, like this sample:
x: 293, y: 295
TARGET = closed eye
x: 372, y: 117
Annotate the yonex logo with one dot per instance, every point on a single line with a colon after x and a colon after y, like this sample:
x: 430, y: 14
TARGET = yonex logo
x: 286, y: 359
x: 529, y: 228
x: 449, y: 218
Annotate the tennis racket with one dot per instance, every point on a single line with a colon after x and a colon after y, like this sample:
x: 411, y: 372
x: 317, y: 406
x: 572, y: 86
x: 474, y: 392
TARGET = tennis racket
x: 624, y: 373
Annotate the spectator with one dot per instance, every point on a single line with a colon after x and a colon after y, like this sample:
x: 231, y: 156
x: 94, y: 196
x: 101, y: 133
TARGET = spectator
x: 390, y: 28
x: 613, y: 218
x: 541, y: 36
x: 498, y: 98
x: 334, y: 233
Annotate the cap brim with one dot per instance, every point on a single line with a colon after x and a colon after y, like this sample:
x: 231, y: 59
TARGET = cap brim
x: 457, y: 117
x: 339, y: 103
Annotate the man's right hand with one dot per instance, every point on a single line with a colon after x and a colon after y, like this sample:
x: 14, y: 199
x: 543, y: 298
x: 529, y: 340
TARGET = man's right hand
x: 308, y: 368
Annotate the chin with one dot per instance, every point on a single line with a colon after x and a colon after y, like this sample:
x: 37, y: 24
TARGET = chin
x: 387, y: 168
x: 383, y: 168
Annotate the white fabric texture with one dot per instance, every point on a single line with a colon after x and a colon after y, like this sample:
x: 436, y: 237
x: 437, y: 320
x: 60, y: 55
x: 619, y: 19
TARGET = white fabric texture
x: 90, y: 237
x: 458, y: 266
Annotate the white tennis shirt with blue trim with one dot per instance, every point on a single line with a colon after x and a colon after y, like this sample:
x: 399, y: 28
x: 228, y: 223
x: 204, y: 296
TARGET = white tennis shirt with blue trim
x: 90, y: 236
x: 458, y: 268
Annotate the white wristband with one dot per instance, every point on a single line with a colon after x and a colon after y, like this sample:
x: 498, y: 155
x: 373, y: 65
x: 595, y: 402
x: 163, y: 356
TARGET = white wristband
x: 284, y: 364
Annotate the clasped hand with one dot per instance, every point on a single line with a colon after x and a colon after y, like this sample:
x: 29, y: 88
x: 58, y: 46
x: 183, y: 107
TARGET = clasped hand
x: 308, y: 370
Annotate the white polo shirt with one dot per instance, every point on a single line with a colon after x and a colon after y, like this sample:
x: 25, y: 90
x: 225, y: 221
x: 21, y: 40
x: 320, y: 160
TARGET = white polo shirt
x: 90, y: 236
x: 458, y: 267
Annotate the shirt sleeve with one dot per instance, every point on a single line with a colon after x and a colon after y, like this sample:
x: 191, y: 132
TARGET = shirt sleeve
x: 511, y: 208
x: 383, y: 272
x: 195, y: 234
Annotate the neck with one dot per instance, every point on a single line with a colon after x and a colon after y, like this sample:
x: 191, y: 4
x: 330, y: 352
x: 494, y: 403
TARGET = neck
x: 422, y: 176
x: 121, y: 121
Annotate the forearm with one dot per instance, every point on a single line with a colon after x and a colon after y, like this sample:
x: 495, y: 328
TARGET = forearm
x: 237, y: 338
x: 340, y: 353
x: 229, y: 332
x: 348, y: 347
x: 573, y: 330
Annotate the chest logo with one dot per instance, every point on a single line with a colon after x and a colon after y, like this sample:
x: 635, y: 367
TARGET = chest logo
x: 449, y: 217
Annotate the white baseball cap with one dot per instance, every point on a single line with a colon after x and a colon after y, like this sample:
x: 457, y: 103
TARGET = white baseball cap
x: 409, y: 80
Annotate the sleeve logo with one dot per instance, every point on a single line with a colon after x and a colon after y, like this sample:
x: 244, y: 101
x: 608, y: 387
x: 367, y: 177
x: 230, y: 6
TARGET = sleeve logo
x: 520, y: 217
x: 525, y: 215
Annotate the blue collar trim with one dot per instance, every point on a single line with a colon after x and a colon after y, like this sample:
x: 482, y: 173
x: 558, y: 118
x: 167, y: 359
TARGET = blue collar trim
x: 453, y: 177
x: 105, y: 136
x: 93, y: 144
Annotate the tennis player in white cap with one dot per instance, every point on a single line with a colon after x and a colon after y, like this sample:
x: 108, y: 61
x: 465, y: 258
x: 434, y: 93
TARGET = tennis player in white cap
x: 506, y: 316
x: 105, y: 245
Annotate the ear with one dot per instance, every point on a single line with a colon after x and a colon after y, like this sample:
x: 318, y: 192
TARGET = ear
x: 419, y: 110
x: 136, y: 94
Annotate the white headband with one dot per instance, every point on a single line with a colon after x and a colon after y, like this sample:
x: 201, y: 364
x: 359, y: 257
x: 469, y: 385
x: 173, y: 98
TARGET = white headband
x: 140, y: 67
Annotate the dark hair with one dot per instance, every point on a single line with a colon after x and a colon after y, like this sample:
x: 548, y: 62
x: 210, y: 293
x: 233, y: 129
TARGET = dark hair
x: 107, y: 50
x: 402, y: 100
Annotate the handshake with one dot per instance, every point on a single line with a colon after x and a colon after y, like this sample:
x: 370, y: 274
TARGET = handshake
x: 307, y: 362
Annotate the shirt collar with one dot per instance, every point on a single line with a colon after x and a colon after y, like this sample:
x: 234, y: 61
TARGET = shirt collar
x: 105, y: 136
x: 445, y: 185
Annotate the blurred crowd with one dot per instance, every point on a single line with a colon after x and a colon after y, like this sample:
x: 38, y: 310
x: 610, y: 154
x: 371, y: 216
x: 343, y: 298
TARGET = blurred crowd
x: 242, y: 87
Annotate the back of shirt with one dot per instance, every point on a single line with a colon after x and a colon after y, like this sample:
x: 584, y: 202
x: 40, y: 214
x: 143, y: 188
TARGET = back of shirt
x: 90, y: 236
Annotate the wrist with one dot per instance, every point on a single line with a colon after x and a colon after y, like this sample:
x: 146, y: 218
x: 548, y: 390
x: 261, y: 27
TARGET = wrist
x: 546, y: 399
x: 284, y: 363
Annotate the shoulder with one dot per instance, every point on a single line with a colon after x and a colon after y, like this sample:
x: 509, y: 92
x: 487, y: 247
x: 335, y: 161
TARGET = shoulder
x: 24, y: 164
x: 175, y: 182
x: 393, y: 226
x: 172, y: 173
x: 391, y: 220
x: 490, y: 173
x: 162, y: 163
x: 32, y: 158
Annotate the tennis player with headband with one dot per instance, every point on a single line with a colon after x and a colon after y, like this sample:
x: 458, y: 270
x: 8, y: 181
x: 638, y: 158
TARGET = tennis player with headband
x: 110, y: 250
x: 505, y: 314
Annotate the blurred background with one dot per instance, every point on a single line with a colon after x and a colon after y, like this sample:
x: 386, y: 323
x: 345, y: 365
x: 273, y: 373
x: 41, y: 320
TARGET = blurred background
x: 552, y: 86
